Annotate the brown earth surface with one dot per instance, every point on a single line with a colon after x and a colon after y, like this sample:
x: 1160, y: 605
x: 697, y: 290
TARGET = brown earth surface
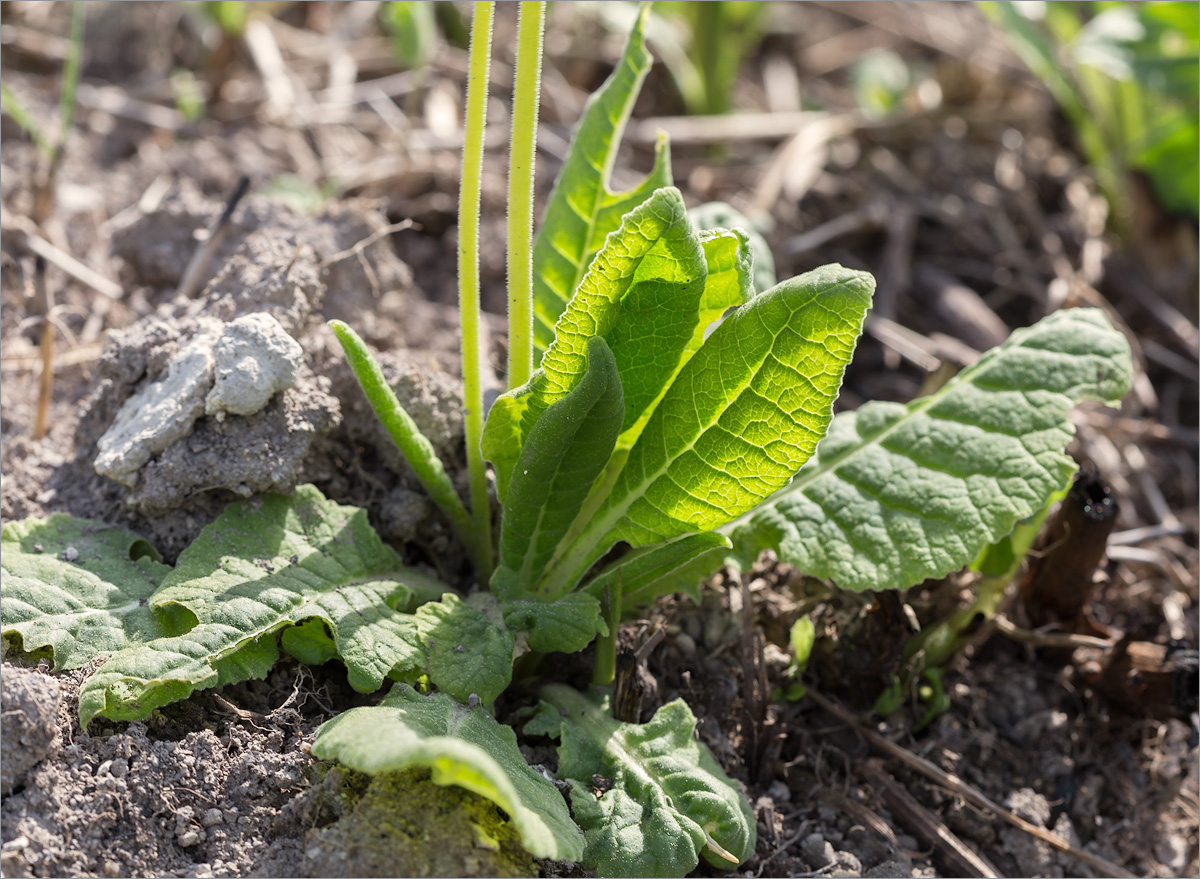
x: 970, y: 206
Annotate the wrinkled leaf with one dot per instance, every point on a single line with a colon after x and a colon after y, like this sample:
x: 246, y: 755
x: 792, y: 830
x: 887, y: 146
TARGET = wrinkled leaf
x: 462, y: 746
x: 564, y: 626
x: 77, y: 587
x: 897, y: 494
x: 742, y: 416
x: 643, y: 294
x: 263, y: 565
x: 719, y: 215
x: 582, y: 210
x: 669, y: 801
x: 468, y: 651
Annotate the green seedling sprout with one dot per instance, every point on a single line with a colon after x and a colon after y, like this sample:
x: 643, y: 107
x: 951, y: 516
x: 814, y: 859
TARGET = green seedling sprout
x: 676, y: 409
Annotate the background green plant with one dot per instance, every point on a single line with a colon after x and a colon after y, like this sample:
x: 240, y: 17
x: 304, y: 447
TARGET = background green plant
x: 1125, y: 75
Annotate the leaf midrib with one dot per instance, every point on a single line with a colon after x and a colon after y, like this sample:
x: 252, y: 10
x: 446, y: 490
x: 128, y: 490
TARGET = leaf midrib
x: 915, y: 407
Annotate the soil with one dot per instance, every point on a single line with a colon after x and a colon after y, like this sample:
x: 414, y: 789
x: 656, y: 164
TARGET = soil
x: 973, y: 210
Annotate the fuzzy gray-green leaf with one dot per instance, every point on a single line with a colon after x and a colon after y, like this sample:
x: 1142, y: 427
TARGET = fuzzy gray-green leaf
x: 669, y: 802
x: 564, y: 626
x: 468, y: 651
x: 897, y: 494
x: 77, y: 587
x: 263, y: 565
x: 462, y: 746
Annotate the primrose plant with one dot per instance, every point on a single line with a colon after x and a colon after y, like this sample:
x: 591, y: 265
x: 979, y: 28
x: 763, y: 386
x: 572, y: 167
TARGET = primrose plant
x: 675, y: 413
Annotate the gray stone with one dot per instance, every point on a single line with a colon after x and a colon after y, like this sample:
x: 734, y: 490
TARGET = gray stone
x: 29, y: 704
x: 254, y: 359
x: 159, y: 413
x: 817, y: 851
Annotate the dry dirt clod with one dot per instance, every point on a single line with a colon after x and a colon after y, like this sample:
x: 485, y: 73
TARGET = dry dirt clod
x: 28, y: 711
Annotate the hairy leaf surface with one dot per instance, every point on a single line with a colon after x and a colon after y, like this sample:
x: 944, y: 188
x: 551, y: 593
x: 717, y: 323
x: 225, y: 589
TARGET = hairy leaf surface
x: 741, y: 417
x: 78, y: 588
x: 263, y: 565
x: 582, y: 210
x: 669, y: 801
x: 897, y: 494
x: 565, y: 452
x: 468, y: 651
x: 461, y: 746
x: 564, y: 626
x: 643, y: 293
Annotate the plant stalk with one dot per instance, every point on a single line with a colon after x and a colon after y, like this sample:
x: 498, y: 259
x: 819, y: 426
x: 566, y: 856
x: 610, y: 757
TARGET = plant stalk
x: 527, y: 82
x: 413, y: 445
x: 605, y: 668
x: 478, y: 64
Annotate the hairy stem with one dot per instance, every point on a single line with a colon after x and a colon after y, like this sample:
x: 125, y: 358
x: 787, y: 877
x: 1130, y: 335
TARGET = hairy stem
x: 478, y: 63
x: 413, y: 445
x: 527, y: 84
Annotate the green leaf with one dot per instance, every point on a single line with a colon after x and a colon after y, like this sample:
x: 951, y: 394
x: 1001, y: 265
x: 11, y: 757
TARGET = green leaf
x: 468, y: 652
x: 77, y: 587
x: 564, y: 626
x: 311, y: 642
x: 803, y: 636
x: 582, y: 210
x: 565, y: 452
x: 263, y: 565
x: 717, y: 215
x: 416, y: 448
x: 413, y: 28
x: 675, y: 566
x: 897, y: 494
x: 461, y: 746
x: 643, y: 293
x: 669, y: 801
x: 742, y: 416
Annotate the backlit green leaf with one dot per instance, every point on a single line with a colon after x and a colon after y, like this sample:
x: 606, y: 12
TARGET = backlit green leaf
x: 643, y: 293
x: 582, y: 210
x: 897, y: 494
x: 566, y: 450
x: 741, y: 417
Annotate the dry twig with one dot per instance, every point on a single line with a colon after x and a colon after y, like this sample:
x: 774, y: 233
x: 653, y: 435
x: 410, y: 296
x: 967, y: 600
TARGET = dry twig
x: 968, y: 792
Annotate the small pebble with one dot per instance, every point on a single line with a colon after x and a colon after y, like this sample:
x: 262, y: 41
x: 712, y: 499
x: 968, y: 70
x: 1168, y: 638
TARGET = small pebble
x: 684, y: 643
x: 189, y: 838
x: 817, y: 851
x: 212, y: 817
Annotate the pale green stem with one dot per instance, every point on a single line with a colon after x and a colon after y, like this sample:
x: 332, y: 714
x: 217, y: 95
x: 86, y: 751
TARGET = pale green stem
x: 413, y: 445
x: 478, y: 63
x: 527, y: 84
x: 605, y: 668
